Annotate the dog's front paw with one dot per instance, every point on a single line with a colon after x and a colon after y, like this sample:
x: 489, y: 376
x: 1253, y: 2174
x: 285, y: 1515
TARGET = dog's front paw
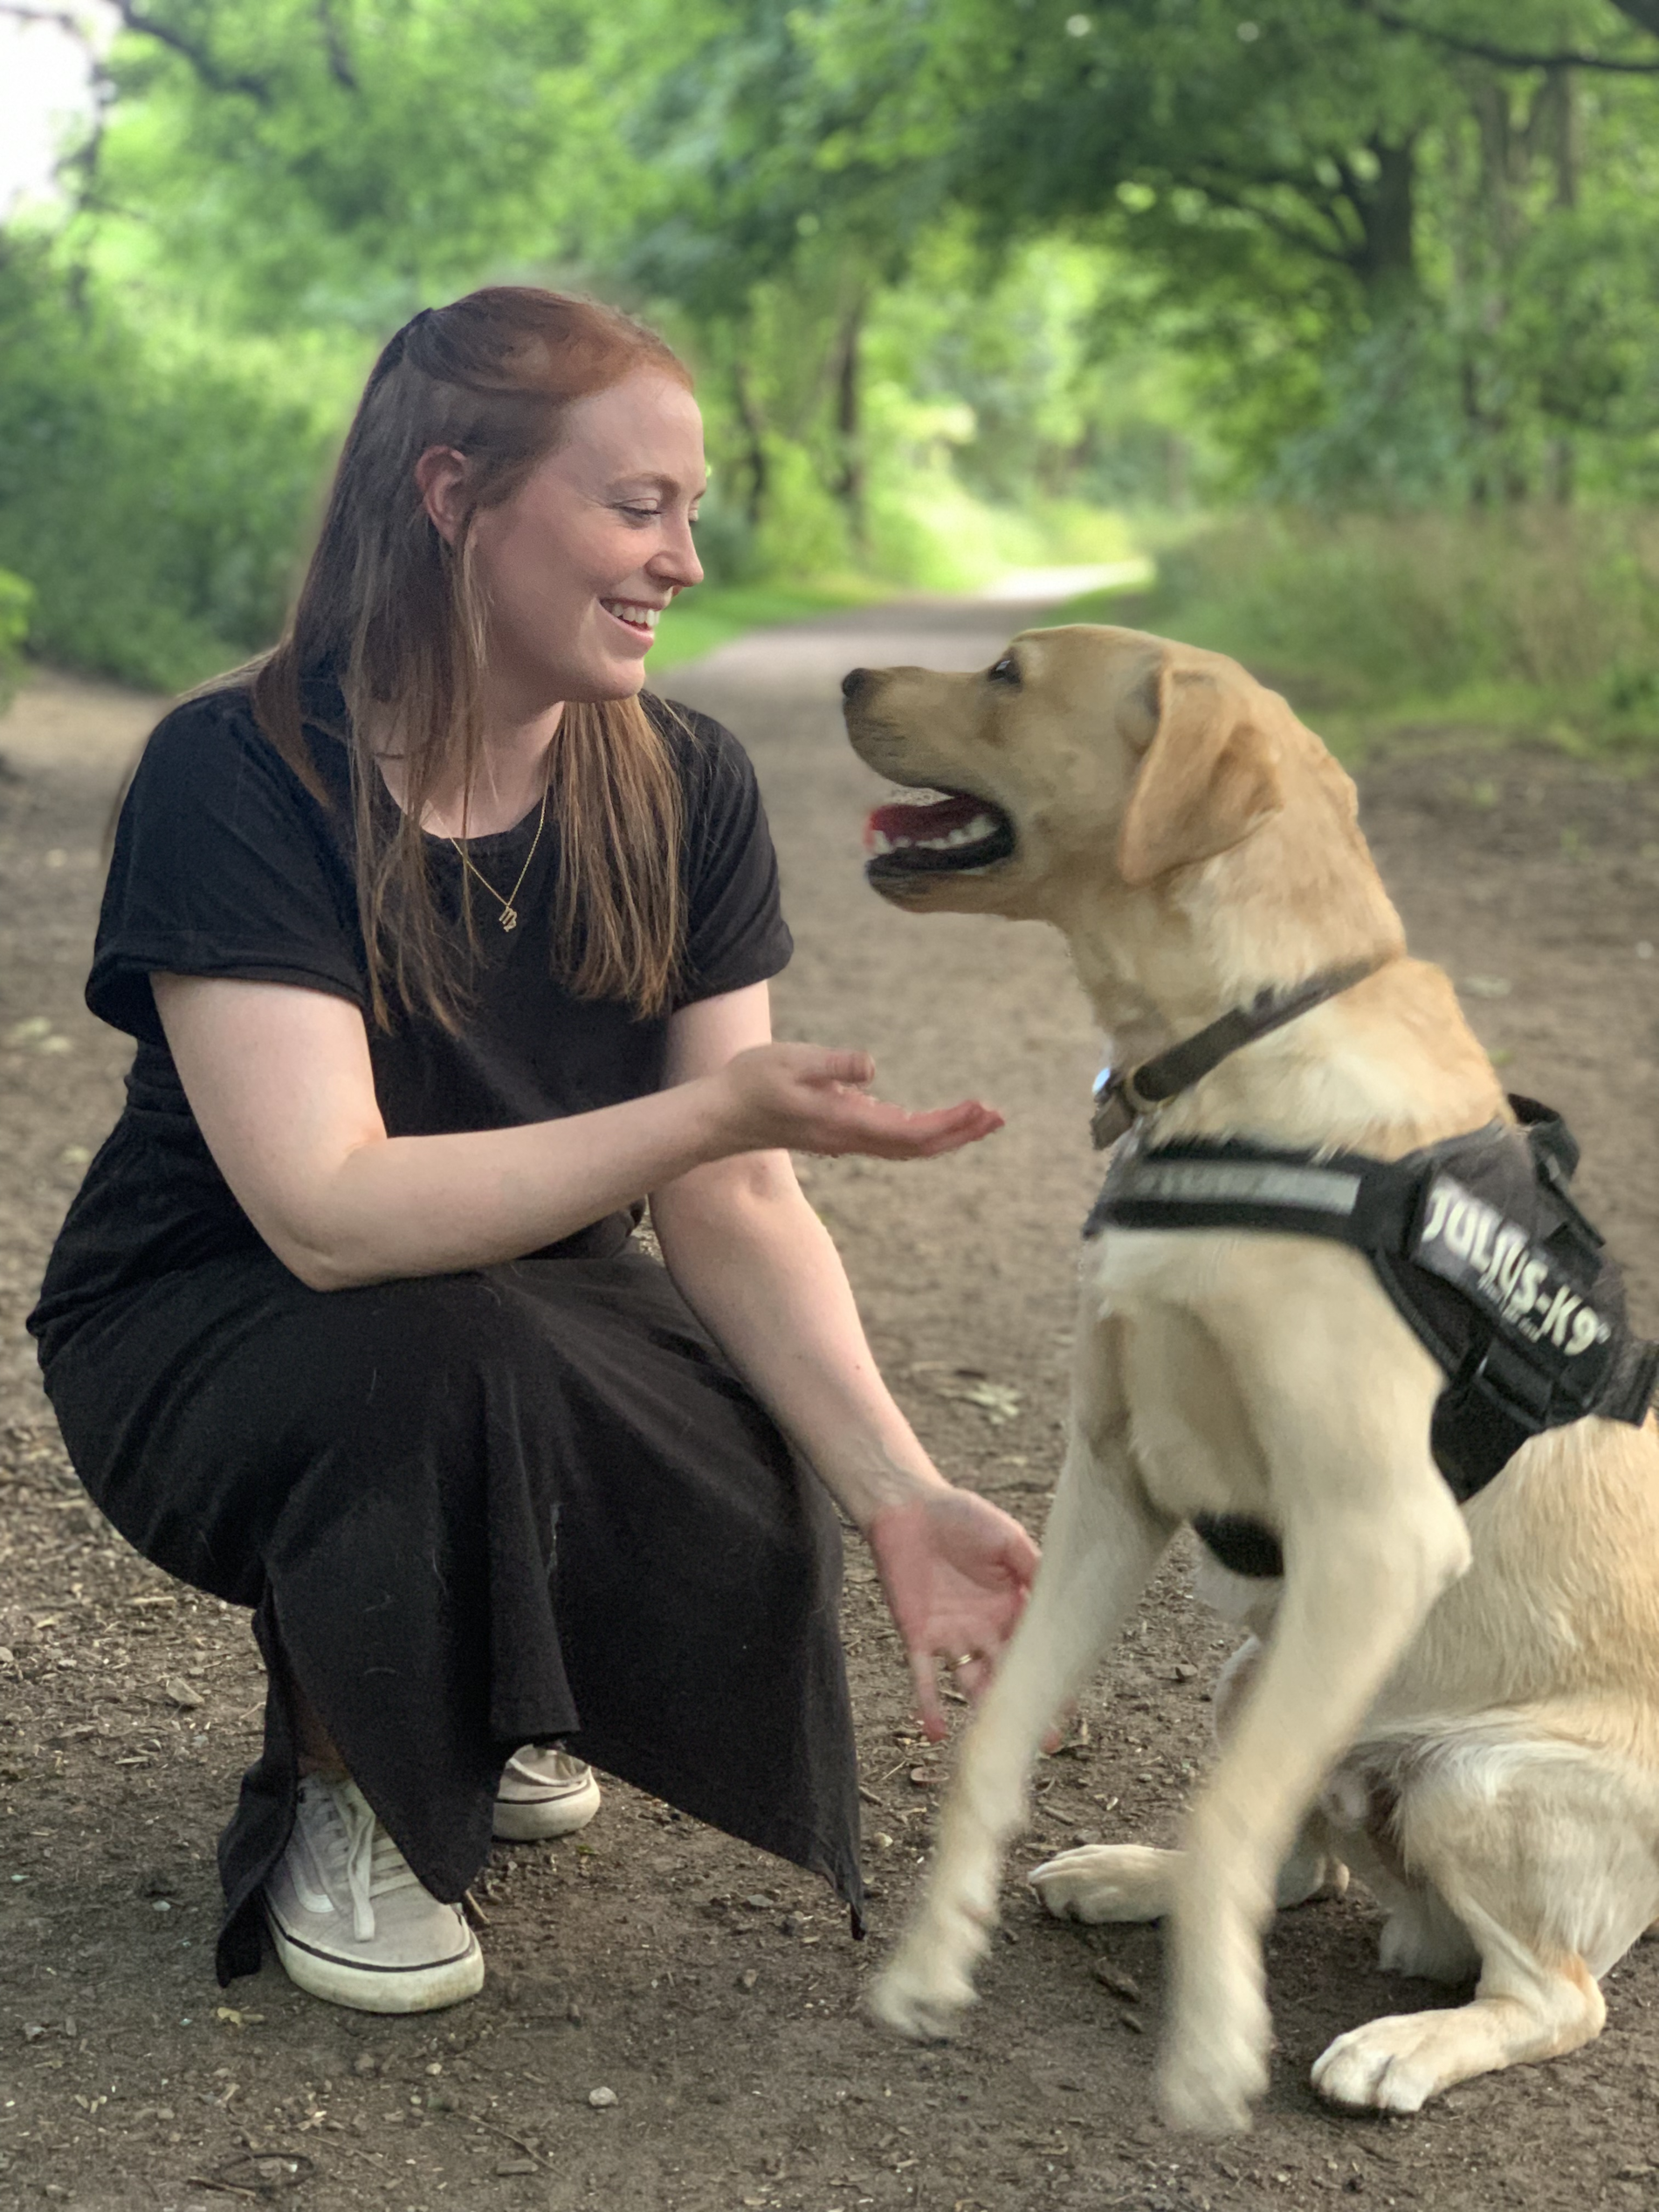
x: 1395, y: 2064
x: 1208, y: 2082
x: 918, y: 1996
x: 1213, y: 2066
x: 1106, y: 1882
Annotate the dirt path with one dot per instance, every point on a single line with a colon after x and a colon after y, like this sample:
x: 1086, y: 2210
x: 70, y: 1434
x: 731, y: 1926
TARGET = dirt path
x: 713, y: 1991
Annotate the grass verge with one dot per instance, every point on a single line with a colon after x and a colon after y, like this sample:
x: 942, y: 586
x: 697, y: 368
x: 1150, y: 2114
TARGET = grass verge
x: 713, y: 614
x: 1526, y: 623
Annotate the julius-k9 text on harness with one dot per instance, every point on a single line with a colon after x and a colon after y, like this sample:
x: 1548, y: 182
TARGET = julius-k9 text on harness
x: 1477, y: 1241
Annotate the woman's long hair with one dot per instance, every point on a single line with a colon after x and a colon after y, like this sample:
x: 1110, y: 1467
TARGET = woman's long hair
x: 398, y: 616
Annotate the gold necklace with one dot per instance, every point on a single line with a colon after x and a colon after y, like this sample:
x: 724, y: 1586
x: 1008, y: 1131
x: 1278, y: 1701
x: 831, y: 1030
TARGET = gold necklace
x: 509, y: 912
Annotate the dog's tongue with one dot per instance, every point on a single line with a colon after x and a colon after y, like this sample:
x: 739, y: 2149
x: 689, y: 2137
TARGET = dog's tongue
x: 919, y: 825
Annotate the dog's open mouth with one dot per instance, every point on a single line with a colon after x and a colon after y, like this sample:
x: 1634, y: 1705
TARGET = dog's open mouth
x: 952, y: 834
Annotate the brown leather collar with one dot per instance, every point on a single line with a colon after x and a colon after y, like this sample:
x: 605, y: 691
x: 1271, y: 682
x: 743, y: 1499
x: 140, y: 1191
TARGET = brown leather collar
x: 1121, y: 1100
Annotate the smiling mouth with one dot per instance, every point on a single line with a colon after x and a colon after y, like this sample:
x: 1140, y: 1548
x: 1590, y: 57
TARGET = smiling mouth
x: 955, y: 834
x: 633, y: 614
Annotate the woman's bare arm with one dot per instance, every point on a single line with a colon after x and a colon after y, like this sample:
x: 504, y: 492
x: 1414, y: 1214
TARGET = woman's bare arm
x: 280, y: 1084
x: 758, y: 1268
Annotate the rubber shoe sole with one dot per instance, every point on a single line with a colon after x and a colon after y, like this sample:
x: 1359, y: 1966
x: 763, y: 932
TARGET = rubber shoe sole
x: 363, y: 1989
x: 536, y: 1820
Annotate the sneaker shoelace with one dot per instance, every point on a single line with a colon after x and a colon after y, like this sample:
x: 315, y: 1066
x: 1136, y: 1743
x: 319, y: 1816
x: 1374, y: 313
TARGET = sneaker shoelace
x: 374, y: 1866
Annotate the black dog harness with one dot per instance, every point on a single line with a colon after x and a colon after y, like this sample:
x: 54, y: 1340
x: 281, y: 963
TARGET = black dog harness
x: 1478, y: 1241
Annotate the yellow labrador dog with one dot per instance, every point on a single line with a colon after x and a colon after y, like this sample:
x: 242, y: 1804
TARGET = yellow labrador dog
x: 1462, y: 1705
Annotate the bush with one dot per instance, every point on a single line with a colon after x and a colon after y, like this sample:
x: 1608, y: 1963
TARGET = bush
x: 16, y: 598
x: 155, y: 501
x: 1542, y: 617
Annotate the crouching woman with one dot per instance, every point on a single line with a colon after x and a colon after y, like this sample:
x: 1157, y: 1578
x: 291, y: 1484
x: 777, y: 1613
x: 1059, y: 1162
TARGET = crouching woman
x: 444, y: 945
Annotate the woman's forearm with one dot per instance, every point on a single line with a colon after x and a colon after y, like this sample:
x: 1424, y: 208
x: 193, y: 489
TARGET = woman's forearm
x: 282, y: 1086
x: 432, y: 1205
x: 280, y: 1081
x: 760, y: 1270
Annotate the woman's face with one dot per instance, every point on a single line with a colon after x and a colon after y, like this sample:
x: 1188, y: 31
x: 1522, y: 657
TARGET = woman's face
x: 579, y: 564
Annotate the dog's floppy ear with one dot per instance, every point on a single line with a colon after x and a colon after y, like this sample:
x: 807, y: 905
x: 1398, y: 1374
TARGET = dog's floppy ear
x: 1209, y: 777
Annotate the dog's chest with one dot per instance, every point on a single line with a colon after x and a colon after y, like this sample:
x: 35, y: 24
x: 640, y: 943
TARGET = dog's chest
x: 1189, y: 1427
x: 1202, y: 1330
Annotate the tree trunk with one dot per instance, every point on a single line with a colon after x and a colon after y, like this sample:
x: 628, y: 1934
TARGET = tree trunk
x: 1558, y: 121
x: 757, y: 466
x: 849, y: 485
x: 1387, y: 261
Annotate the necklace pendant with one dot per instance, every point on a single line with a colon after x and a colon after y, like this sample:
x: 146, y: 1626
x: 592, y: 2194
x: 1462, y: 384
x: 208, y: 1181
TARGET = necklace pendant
x: 509, y: 917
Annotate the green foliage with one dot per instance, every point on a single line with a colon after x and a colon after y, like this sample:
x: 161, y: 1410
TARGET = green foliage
x: 963, y: 281
x: 1400, y: 260
x: 337, y: 164
x: 15, y: 599
x: 715, y: 614
x: 155, y: 501
x: 1525, y: 617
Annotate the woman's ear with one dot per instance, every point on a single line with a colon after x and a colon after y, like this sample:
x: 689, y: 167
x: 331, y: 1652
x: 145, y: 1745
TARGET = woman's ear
x: 440, y: 476
x: 1210, y: 777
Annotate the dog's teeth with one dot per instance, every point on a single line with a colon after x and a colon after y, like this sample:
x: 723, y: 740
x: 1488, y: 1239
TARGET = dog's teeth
x: 976, y: 831
x: 880, y: 842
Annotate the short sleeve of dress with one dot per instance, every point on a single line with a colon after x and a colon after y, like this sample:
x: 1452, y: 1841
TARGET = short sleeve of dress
x: 223, y: 864
x: 735, y: 931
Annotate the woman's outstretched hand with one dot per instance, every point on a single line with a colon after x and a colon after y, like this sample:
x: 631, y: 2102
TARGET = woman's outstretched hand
x: 956, y: 1570
x: 808, y: 1097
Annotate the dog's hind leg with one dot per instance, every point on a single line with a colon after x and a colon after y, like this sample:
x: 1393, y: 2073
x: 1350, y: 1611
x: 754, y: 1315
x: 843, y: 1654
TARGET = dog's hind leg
x: 1101, y: 1545
x: 1542, y: 1854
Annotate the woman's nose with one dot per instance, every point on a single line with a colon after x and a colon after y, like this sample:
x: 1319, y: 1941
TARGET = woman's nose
x: 677, y: 562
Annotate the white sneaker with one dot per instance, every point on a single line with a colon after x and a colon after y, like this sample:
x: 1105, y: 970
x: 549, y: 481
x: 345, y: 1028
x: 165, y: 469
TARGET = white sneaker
x: 544, y: 1793
x: 349, y: 1920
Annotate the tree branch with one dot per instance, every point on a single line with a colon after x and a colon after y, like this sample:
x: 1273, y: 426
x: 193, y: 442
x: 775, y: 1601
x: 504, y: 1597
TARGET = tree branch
x: 216, y: 79
x: 1306, y: 241
x: 339, y: 66
x: 65, y: 22
x: 1643, y: 12
x: 1229, y: 184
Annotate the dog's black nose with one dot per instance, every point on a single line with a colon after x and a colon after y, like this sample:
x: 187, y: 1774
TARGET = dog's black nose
x: 853, y: 682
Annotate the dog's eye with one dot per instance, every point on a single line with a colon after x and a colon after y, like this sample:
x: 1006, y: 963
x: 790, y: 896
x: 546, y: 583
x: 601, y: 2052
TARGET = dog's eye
x: 1007, y: 670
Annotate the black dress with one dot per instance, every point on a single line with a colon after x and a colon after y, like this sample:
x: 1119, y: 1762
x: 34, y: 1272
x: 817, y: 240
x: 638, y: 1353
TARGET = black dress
x: 524, y: 1502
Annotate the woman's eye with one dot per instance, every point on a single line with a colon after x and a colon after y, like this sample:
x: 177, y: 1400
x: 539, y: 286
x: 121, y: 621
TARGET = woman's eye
x: 641, y: 513
x: 1006, y: 670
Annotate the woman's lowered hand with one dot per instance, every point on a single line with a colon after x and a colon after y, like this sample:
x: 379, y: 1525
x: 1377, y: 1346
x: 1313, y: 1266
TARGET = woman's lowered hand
x: 956, y: 1571
x: 810, y: 1098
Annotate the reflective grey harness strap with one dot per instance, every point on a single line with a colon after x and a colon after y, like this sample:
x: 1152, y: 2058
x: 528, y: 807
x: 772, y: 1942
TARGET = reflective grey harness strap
x: 1352, y: 1199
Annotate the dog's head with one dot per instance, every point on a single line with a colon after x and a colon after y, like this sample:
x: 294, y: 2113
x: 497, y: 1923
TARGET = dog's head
x: 1080, y: 749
